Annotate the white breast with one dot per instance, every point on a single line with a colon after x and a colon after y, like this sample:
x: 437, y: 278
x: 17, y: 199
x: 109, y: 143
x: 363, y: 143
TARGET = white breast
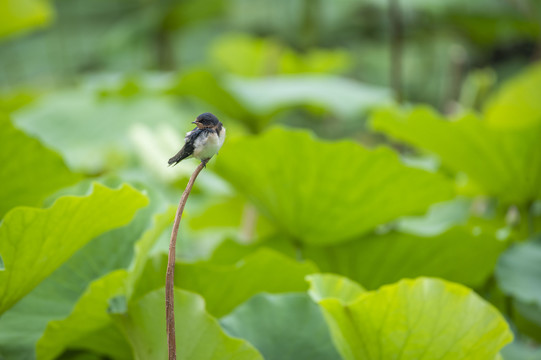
x: 207, y: 147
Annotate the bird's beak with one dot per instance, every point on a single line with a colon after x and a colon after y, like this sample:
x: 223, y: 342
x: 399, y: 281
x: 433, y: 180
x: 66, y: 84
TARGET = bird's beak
x: 194, y: 122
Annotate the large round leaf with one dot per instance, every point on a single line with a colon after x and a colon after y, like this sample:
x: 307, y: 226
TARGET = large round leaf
x: 521, y: 351
x: 23, y: 324
x: 224, y: 287
x: 503, y: 163
x: 517, y: 104
x: 35, y: 242
x: 336, y: 286
x: 277, y: 325
x: 376, y: 260
x: 18, y: 16
x: 89, y: 326
x: 247, y: 55
x: 29, y: 170
x: 93, y: 133
x: 341, y: 96
x: 416, y: 319
x: 198, y: 335
x: 519, y: 272
x: 383, y: 259
x: 321, y: 192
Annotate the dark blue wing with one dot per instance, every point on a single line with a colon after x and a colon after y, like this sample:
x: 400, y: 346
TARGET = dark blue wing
x: 187, y: 149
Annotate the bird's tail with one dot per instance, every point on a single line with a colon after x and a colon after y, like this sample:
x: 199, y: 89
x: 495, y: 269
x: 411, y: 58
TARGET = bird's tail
x: 181, y: 155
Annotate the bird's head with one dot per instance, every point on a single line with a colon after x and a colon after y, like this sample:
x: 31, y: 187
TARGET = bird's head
x: 206, y: 120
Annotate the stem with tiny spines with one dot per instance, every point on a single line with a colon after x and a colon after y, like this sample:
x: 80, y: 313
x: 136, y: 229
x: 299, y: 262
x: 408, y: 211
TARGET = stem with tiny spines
x: 170, y: 275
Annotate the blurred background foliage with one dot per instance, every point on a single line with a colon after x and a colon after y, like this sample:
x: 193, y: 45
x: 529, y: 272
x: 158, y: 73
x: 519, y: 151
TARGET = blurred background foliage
x: 444, y: 98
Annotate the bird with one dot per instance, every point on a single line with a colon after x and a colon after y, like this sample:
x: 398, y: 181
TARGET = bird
x: 203, y: 142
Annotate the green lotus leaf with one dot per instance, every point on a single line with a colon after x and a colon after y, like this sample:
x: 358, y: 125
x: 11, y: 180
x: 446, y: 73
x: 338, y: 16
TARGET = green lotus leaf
x: 230, y: 213
x: 339, y: 287
x: 526, y: 318
x: 229, y: 251
x: 17, y: 16
x: 518, y: 350
x: 503, y: 163
x: 516, y: 104
x: 341, y: 96
x: 321, y: 192
x: 198, y: 335
x: 29, y: 170
x: 518, y: 272
x: 80, y: 356
x: 416, y: 319
x: 34, y: 242
x: 224, y: 287
x: 145, y: 245
x: 440, y: 218
x: 376, y: 260
x: 277, y: 326
x: 94, y: 133
x: 256, y: 51
x: 89, y: 326
x: 204, y: 85
x: 23, y: 324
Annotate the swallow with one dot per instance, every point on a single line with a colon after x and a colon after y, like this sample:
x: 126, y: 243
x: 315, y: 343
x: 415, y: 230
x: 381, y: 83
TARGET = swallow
x: 203, y: 142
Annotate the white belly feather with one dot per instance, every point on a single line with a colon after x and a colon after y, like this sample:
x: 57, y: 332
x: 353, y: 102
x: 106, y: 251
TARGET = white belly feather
x: 207, y: 147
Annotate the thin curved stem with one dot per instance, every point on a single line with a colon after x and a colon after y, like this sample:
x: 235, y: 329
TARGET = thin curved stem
x: 170, y: 275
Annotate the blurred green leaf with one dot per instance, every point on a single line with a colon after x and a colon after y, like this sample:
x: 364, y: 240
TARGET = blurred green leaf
x: 518, y: 350
x: 95, y: 133
x: 232, y: 213
x: 29, y: 170
x: 204, y: 85
x: 198, y: 335
x: 225, y: 212
x: 518, y: 103
x: 89, y: 326
x: 80, y: 356
x: 414, y: 319
x: 254, y: 102
x: 519, y: 274
x: 506, y: 164
x: 324, y: 193
x: 229, y: 251
x: 526, y: 318
x: 376, y: 260
x: 224, y: 287
x: 34, y: 242
x: 331, y: 285
x: 191, y: 12
x: 244, y: 55
x: 276, y: 325
x: 340, y: 96
x: 383, y: 259
x: 13, y: 100
x: 439, y: 218
x: 20, y: 15
x: 440, y: 7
